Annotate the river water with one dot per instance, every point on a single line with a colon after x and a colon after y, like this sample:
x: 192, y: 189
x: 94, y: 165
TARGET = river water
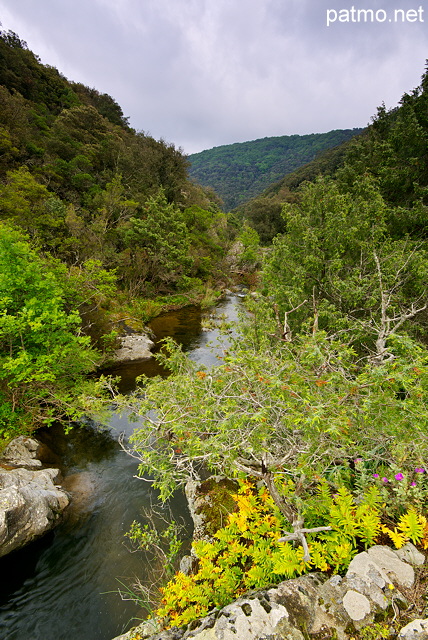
x: 65, y: 585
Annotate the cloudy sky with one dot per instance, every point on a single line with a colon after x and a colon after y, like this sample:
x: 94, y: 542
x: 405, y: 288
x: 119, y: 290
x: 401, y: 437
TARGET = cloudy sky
x: 202, y: 73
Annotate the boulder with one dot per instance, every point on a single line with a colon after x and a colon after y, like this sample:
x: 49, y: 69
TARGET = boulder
x: 133, y: 347
x: 31, y: 500
x: 24, y: 452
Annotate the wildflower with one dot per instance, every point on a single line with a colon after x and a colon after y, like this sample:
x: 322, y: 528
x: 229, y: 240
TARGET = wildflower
x: 413, y: 484
x: 419, y: 470
x: 385, y: 480
x: 358, y: 460
x: 398, y: 476
x: 375, y: 475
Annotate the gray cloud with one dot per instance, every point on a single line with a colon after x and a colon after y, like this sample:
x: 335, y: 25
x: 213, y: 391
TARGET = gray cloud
x: 201, y: 73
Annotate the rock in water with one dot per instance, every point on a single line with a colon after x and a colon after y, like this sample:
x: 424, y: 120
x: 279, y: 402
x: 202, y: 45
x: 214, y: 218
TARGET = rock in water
x: 134, y: 347
x: 31, y: 502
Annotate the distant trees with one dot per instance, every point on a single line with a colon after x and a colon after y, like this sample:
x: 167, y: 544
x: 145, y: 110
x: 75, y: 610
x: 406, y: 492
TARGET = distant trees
x: 244, y: 170
x: 161, y: 233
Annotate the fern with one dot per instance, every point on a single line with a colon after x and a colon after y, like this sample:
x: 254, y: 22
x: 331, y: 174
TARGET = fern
x: 245, y: 554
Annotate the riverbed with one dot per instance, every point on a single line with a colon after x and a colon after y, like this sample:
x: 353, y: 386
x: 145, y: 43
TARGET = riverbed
x: 65, y: 585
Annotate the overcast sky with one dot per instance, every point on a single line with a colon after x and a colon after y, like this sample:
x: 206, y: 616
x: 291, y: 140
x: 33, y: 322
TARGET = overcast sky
x: 202, y: 73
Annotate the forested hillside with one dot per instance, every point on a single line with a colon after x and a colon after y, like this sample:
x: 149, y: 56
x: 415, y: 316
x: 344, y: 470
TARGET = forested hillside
x: 392, y: 148
x: 91, y: 212
x: 238, y: 172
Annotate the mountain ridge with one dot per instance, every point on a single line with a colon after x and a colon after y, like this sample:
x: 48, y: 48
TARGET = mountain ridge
x: 242, y: 170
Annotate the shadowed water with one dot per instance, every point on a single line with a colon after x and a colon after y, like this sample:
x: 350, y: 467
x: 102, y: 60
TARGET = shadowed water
x: 65, y: 586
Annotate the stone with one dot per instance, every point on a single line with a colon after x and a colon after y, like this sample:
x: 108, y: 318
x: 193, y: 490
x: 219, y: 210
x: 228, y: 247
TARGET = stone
x: 365, y: 567
x: 22, y: 452
x: 209, y: 504
x: 400, y: 572
x: 31, y: 503
x: 247, y: 618
x: 133, y: 347
x: 410, y: 554
x: 188, y: 565
x: 356, y: 605
x: 416, y: 630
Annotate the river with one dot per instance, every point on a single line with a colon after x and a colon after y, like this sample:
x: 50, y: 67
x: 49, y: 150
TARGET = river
x: 65, y: 585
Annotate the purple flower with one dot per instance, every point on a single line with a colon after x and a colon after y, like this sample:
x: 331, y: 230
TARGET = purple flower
x: 358, y: 460
x: 375, y: 475
x: 399, y: 476
x: 413, y: 484
x: 385, y: 480
x: 419, y: 470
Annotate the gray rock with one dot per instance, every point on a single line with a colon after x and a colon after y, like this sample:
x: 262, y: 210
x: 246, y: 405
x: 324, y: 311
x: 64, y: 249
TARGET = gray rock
x: 416, y: 630
x: 188, y: 565
x: 134, y: 347
x: 356, y: 605
x: 206, y: 502
x: 31, y: 504
x: 247, y: 618
x: 144, y: 630
x: 410, y: 554
x: 365, y: 567
x: 400, y: 572
x: 22, y: 452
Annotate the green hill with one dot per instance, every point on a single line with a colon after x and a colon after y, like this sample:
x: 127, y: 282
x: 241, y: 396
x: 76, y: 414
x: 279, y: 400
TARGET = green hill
x: 263, y: 212
x: 238, y: 172
x: 84, y: 185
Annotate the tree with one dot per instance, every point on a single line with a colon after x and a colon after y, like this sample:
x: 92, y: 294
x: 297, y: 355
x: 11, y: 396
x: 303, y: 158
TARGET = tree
x: 43, y: 357
x: 302, y: 410
x: 163, y: 235
x: 337, y: 262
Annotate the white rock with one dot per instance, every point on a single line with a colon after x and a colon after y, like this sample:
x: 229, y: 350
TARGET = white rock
x: 356, y: 605
x: 400, y: 572
x: 30, y: 505
x: 365, y: 567
x: 416, y: 630
x: 410, y: 554
x: 246, y: 620
x: 134, y: 347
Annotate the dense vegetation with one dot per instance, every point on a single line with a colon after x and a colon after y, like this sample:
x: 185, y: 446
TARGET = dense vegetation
x: 240, y: 171
x: 320, y: 405
x: 321, y: 402
x: 85, y: 200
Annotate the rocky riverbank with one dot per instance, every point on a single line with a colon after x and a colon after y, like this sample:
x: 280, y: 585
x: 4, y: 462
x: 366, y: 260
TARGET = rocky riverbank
x: 381, y: 587
x: 379, y: 584
x: 31, y: 498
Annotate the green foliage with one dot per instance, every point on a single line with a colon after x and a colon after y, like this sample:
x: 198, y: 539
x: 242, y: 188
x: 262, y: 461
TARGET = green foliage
x: 338, y: 257
x: 243, y: 170
x: 307, y: 404
x: 166, y: 543
x: 162, y: 234
x: 75, y: 175
x: 250, y: 257
x: 42, y: 356
x: 375, y: 631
